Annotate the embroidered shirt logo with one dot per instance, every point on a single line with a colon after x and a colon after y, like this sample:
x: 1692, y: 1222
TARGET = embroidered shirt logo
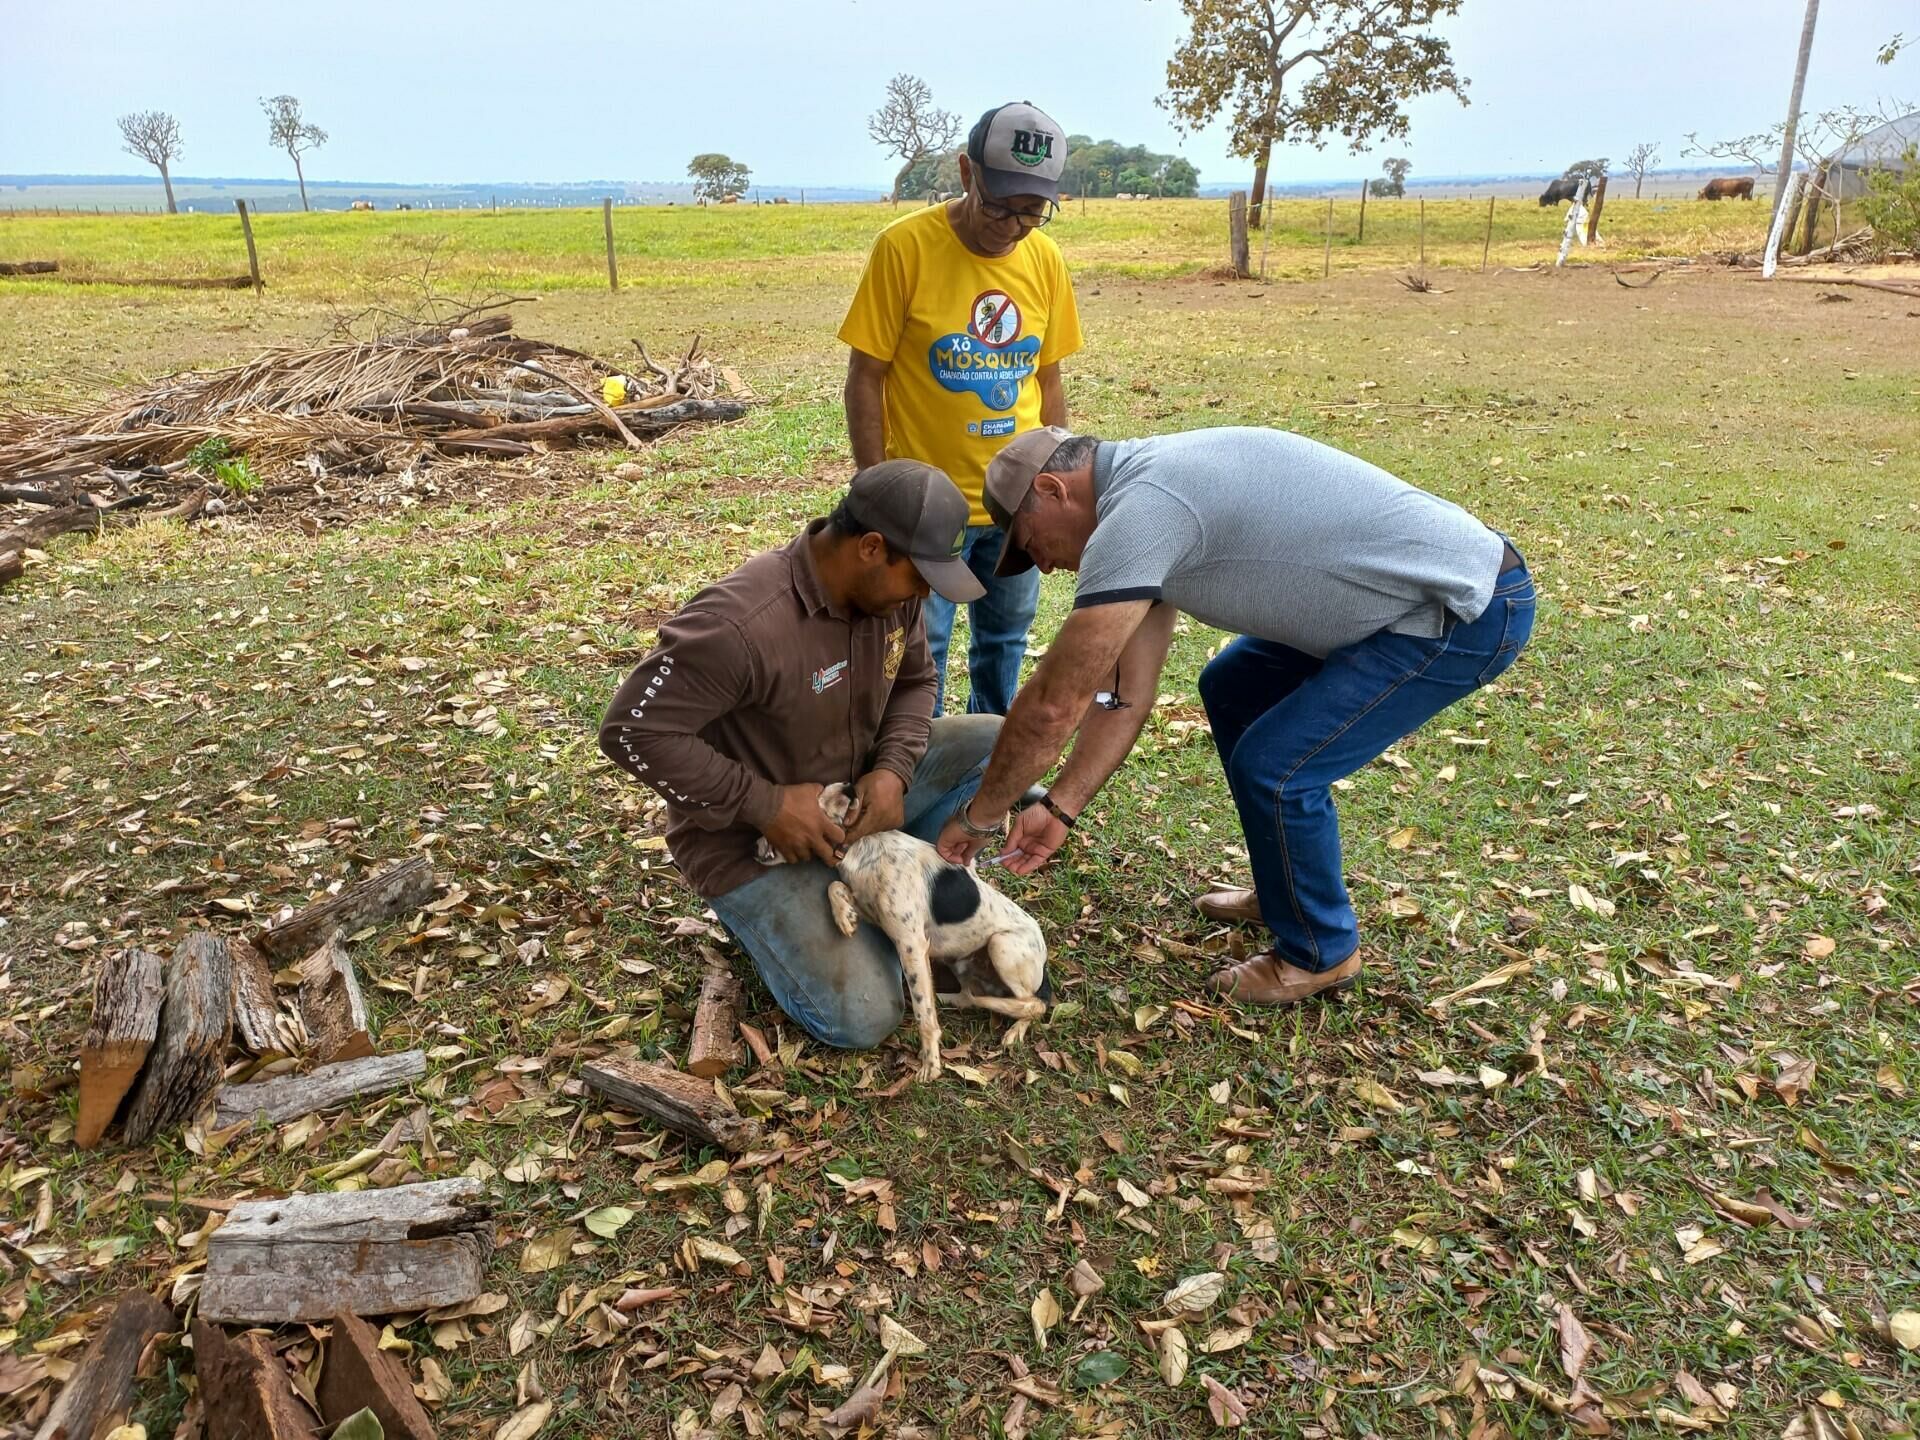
x: 828, y: 676
x: 897, y: 646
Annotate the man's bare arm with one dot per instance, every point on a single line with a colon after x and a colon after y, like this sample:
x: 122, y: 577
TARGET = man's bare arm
x: 866, y: 401
x: 1053, y: 396
x: 1107, y: 736
x: 1082, y: 659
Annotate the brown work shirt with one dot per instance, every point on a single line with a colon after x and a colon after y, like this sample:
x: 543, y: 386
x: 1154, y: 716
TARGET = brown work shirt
x: 760, y: 682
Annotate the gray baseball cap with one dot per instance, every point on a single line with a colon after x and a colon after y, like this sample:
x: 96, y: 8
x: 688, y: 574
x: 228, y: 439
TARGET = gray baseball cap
x: 919, y: 510
x: 1017, y: 149
x: 1009, y: 477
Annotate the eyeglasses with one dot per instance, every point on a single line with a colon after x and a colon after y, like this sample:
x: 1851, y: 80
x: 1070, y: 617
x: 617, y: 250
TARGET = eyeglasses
x: 1029, y: 219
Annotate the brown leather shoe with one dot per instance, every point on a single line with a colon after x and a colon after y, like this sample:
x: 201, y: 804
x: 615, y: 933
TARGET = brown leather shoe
x: 1230, y: 906
x: 1266, y: 979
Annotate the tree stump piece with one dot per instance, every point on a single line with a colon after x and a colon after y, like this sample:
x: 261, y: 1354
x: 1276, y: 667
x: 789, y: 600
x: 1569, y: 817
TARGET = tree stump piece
x: 187, y: 1061
x: 684, y: 1104
x: 127, y: 997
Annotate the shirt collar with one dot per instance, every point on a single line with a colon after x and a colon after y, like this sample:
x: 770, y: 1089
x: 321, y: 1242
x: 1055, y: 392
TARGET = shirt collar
x: 1102, y: 468
x: 806, y: 575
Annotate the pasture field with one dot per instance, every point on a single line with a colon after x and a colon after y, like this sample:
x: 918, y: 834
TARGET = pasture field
x: 1636, y: 1044
x: 688, y: 250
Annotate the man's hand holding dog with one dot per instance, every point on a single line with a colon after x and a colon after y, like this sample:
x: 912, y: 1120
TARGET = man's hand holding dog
x: 799, y: 830
x: 879, y: 803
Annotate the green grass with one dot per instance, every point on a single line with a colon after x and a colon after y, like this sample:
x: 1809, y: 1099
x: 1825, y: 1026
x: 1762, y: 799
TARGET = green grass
x: 688, y: 250
x: 1714, y: 730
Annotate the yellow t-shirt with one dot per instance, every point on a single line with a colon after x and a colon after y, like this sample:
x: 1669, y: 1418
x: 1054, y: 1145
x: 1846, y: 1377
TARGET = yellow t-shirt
x: 965, y: 336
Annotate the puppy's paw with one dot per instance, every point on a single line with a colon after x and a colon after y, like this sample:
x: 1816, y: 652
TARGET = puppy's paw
x: 929, y: 1070
x: 1016, y: 1035
x: 846, y: 918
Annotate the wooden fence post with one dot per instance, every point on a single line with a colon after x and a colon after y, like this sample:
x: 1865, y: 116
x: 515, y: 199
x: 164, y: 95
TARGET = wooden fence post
x: 1487, y: 244
x: 1237, y: 234
x: 1326, y: 260
x: 1423, y: 229
x: 1266, y: 234
x: 613, y: 269
x: 1361, y: 239
x: 1593, y: 215
x: 253, y: 256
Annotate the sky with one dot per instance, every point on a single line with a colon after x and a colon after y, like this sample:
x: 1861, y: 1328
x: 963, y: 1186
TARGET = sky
x: 426, y: 91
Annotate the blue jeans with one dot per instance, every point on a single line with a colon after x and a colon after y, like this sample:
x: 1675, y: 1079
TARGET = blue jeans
x: 846, y: 992
x: 999, y: 621
x: 1288, y: 725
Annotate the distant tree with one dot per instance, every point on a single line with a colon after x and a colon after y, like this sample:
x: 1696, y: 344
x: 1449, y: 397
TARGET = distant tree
x: 1106, y: 168
x: 1642, y: 158
x: 154, y: 136
x: 1395, y: 183
x: 1592, y: 170
x: 717, y: 178
x: 1817, y: 135
x: 288, y: 130
x: 910, y: 126
x: 937, y: 173
x: 1381, y: 189
x: 1356, y: 64
x: 1179, y: 178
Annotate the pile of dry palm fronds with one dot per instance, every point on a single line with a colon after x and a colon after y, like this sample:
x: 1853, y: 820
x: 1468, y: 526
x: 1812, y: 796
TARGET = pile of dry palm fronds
x: 468, y: 388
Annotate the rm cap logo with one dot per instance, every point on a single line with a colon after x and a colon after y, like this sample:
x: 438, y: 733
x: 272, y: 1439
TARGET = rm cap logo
x: 1032, y: 147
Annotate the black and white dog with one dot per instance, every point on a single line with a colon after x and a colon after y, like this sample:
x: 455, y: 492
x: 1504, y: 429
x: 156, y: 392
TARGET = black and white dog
x: 933, y: 910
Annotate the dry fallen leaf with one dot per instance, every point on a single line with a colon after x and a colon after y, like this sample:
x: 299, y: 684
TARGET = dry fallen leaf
x: 1818, y: 947
x: 1173, y: 1355
x: 1582, y: 898
x: 1196, y: 1292
x: 1377, y: 1095
x: 1904, y: 1327
x: 1045, y: 1314
x: 1229, y: 1411
x: 525, y: 1424
x: 547, y: 1252
x: 1574, y: 1341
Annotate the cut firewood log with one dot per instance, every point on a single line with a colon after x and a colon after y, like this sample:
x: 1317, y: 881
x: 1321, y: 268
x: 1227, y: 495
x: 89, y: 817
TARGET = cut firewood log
x: 331, y: 1005
x: 245, y: 1388
x: 396, y: 891
x: 256, y: 1014
x: 97, y: 1396
x: 126, y: 1019
x: 684, y: 1104
x: 185, y: 1065
x: 370, y: 1252
x: 359, y: 1375
x: 288, y: 1097
x: 715, y: 1048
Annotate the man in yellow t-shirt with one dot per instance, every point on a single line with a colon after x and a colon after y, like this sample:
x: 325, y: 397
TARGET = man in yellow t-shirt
x: 957, y: 331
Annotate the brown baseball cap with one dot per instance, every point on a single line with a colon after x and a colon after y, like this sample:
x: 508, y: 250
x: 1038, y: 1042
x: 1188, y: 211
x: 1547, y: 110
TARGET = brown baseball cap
x: 1010, y: 477
x: 918, y: 509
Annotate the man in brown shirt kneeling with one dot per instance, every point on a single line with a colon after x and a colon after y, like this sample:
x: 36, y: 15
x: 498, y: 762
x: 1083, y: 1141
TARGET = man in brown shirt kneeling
x: 806, y: 666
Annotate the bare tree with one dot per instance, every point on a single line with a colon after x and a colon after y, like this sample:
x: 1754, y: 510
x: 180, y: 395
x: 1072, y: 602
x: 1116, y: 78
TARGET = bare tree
x: 1358, y: 63
x: 1642, y: 158
x: 1793, y: 103
x: 910, y: 126
x: 288, y: 129
x: 154, y: 136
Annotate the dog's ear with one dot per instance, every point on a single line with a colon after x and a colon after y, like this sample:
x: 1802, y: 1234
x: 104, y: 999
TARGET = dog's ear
x: 837, y: 802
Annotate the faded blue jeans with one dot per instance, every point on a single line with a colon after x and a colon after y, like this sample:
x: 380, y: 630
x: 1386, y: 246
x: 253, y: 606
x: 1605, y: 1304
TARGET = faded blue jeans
x: 999, y: 621
x: 1287, y: 726
x: 846, y: 992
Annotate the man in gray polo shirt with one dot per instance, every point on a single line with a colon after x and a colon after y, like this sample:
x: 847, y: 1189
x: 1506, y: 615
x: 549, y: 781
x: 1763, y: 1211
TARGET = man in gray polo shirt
x: 1363, y: 607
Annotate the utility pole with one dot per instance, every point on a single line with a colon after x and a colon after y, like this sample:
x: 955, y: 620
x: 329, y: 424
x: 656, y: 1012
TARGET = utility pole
x: 1793, y: 105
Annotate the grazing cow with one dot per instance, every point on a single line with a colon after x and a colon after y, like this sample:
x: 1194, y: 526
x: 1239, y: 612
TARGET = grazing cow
x: 1565, y: 188
x: 1740, y: 189
x: 362, y: 205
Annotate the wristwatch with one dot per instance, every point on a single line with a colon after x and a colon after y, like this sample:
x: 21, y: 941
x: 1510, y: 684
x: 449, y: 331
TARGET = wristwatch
x: 980, y: 832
